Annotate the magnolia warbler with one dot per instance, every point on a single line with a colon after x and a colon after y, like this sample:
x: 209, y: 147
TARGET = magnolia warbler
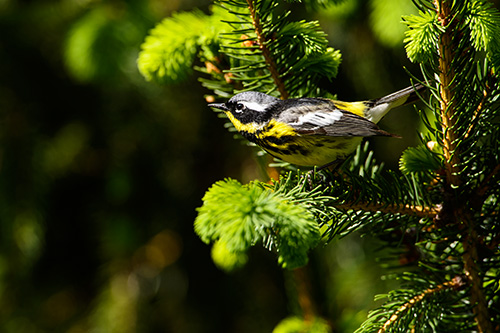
x: 310, y: 131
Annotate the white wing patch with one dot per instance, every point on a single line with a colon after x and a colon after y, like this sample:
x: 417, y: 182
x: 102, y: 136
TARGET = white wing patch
x: 319, y: 119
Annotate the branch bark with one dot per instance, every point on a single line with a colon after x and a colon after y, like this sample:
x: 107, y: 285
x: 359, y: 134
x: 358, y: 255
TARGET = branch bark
x: 456, y: 283
x: 462, y: 216
x: 419, y: 211
x: 271, y: 64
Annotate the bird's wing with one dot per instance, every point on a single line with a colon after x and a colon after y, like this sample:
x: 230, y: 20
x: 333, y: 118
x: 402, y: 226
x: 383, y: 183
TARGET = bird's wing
x: 349, y: 125
x: 322, y: 117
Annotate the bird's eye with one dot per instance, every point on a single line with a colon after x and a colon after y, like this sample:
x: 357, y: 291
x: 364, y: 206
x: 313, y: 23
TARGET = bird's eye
x: 240, y: 107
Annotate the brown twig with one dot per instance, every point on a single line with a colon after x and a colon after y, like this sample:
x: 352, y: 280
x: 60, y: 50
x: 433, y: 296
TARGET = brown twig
x: 456, y: 283
x: 446, y: 77
x: 271, y: 64
x: 419, y: 211
x: 475, y: 118
x: 462, y: 215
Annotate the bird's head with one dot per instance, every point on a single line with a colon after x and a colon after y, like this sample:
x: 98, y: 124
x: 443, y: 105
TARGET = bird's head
x: 248, y: 106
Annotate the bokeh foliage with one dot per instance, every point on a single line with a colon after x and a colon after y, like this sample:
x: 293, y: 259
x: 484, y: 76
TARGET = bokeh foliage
x: 101, y: 171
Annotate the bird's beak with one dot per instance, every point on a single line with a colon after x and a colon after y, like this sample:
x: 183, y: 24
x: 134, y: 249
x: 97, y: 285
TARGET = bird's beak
x: 220, y: 106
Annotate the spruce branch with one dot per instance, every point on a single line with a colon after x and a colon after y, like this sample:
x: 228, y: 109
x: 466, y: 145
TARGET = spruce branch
x: 254, y: 48
x: 364, y: 196
x: 483, y: 20
x: 449, y: 44
x: 477, y: 114
x: 169, y: 51
x: 262, y: 42
x: 456, y: 283
x: 447, y: 100
x: 477, y: 297
x: 240, y: 216
x: 403, y: 209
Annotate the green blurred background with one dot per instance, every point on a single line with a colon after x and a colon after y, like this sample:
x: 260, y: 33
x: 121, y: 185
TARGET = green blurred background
x: 101, y: 173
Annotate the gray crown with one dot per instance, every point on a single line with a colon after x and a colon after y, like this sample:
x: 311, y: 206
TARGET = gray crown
x: 253, y: 96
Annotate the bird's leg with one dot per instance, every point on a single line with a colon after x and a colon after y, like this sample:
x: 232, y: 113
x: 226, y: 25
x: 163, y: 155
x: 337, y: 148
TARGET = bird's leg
x: 311, y: 174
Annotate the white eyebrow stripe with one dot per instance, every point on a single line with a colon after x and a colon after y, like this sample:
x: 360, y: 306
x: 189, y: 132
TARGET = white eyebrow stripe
x: 255, y: 106
x: 318, y: 118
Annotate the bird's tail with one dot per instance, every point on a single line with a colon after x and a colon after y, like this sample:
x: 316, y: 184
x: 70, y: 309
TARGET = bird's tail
x: 402, y: 97
x: 380, y: 106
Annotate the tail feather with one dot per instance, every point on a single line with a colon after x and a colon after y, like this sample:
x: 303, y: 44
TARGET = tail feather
x: 404, y: 96
x: 379, y: 107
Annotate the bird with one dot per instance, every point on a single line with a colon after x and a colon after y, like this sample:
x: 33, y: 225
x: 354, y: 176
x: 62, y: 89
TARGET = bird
x: 311, y: 131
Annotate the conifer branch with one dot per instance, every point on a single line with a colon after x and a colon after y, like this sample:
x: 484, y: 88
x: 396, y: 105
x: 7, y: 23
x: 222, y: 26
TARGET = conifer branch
x: 261, y: 39
x: 419, y: 211
x: 477, y: 114
x: 446, y: 76
x: 471, y: 259
x: 456, y: 283
x: 462, y: 215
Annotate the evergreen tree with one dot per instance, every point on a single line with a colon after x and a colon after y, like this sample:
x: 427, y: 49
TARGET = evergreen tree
x: 440, y: 210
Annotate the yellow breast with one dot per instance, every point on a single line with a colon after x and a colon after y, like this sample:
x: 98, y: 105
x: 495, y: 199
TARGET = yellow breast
x: 249, y: 128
